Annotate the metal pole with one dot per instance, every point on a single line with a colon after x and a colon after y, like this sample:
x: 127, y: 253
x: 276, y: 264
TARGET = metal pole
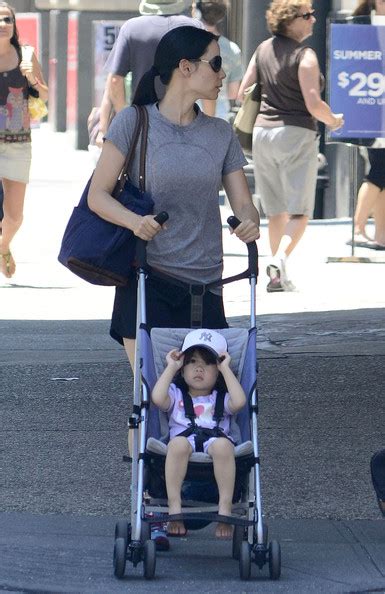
x: 353, y: 161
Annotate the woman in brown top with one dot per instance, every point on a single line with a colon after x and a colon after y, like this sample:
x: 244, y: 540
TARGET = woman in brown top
x: 285, y: 139
x: 16, y: 76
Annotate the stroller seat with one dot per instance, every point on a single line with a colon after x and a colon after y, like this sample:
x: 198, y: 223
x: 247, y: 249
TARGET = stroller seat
x: 200, y: 466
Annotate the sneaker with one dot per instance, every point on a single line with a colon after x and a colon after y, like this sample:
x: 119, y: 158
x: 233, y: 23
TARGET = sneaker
x: 274, y: 285
x: 278, y: 279
x: 159, y: 535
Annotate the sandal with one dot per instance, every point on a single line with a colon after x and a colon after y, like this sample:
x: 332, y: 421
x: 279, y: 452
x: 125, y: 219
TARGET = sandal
x: 9, y: 269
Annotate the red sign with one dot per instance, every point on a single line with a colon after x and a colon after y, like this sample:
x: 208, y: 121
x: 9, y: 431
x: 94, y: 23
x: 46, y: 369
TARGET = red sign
x: 28, y: 25
x: 72, y: 70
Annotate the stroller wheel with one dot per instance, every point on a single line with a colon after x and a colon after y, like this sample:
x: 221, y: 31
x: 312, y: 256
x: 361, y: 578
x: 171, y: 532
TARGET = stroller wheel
x: 244, y: 561
x: 149, y: 559
x: 120, y: 549
x: 274, y: 560
x: 123, y: 530
x: 238, y: 537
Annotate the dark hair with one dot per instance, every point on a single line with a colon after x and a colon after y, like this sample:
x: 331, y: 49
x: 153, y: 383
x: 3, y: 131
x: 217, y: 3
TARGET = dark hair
x: 209, y: 358
x: 212, y: 12
x: 365, y: 7
x: 15, y: 37
x: 185, y: 42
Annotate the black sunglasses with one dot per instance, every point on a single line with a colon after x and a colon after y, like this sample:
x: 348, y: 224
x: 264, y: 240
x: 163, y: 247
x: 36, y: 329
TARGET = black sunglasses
x: 7, y: 20
x: 306, y: 16
x: 215, y: 62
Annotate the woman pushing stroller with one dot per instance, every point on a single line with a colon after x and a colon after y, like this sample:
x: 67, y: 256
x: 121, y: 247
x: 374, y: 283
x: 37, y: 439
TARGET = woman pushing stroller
x: 198, y: 383
x: 189, y: 156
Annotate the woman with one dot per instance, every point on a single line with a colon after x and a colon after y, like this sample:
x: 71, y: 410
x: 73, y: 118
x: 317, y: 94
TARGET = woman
x: 16, y: 75
x: 285, y: 139
x: 189, y: 156
x: 371, y: 197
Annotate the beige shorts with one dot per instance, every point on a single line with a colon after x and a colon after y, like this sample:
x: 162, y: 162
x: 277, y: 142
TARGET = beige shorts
x: 285, y: 169
x: 15, y: 161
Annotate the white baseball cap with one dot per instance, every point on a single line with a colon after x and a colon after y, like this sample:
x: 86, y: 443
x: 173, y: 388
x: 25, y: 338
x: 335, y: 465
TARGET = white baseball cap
x: 209, y: 339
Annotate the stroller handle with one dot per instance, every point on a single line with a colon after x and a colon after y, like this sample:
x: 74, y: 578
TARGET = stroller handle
x: 140, y: 249
x: 252, y: 248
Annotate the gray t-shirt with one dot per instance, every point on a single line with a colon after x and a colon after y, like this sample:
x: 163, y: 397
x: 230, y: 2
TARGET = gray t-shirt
x: 184, y: 170
x: 137, y: 41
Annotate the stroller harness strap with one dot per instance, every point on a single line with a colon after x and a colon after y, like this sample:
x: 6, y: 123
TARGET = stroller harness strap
x: 203, y: 434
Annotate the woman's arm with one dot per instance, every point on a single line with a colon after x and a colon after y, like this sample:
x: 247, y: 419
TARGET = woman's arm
x: 309, y: 77
x: 32, y: 71
x: 105, y: 113
x: 239, y: 196
x: 249, y: 78
x: 100, y: 198
x: 237, y: 396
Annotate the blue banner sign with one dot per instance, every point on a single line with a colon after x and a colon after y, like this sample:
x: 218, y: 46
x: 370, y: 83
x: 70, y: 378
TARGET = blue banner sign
x: 357, y: 79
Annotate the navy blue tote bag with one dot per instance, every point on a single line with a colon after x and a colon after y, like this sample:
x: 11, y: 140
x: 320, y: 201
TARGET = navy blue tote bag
x: 100, y: 252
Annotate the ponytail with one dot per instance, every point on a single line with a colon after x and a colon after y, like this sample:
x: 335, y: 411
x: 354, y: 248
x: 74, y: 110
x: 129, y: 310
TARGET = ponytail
x: 145, y: 91
x: 180, y: 43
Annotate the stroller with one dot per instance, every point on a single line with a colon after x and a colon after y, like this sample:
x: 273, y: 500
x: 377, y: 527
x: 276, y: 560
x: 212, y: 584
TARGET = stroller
x: 150, y: 434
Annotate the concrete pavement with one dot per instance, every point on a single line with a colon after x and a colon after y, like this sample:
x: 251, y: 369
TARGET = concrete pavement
x: 64, y: 398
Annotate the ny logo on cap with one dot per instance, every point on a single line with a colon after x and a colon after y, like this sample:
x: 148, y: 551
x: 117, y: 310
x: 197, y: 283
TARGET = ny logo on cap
x: 206, y: 336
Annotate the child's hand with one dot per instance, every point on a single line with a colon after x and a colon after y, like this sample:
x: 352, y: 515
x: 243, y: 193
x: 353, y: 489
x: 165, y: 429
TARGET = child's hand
x: 174, y: 360
x: 223, y: 361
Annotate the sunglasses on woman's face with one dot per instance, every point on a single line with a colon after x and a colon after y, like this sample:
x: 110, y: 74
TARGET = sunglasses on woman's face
x: 215, y: 62
x: 6, y: 20
x: 306, y: 16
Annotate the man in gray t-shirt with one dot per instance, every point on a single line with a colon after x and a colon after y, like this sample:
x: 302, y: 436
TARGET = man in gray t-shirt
x: 135, y: 46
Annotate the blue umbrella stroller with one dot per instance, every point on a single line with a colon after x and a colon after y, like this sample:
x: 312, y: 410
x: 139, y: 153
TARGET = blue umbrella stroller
x: 199, y: 494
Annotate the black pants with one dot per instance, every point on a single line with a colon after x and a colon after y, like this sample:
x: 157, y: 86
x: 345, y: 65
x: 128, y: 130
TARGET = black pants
x: 167, y: 306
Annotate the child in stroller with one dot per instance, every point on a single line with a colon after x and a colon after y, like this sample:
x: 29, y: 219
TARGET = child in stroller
x: 198, y: 383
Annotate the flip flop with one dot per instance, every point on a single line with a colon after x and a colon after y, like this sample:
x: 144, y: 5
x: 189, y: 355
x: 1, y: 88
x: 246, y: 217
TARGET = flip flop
x: 373, y: 245
x: 8, y: 260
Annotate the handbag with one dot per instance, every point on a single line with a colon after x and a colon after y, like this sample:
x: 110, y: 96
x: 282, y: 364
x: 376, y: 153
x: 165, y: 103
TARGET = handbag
x: 247, y: 114
x: 37, y: 108
x: 100, y: 252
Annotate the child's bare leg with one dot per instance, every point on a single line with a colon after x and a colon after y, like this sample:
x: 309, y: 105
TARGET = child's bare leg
x: 222, y: 452
x: 178, y: 453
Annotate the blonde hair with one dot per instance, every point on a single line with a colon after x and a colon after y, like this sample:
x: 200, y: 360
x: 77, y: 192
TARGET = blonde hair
x: 281, y: 12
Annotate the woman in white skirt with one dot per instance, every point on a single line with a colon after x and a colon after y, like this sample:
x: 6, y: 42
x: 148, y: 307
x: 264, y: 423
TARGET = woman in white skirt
x: 17, y: 78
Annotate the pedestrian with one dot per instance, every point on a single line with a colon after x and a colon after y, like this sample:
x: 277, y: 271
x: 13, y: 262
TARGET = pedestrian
x: 200, y: 372
x: 212, y: 15
x: 17, y: 75
x: 371, y: 196
x: 188, y: 156
x: 285, y: 136
x: 134, y: 52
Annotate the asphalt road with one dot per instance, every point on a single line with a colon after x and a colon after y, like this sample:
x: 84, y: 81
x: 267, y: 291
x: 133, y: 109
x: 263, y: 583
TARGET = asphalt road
x: 65, y: 396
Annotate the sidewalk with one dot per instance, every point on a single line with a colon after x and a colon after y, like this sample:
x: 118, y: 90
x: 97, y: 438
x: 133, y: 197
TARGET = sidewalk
x: 59, y: 174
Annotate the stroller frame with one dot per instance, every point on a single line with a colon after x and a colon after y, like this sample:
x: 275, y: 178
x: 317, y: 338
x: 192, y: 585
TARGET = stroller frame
x: 250, y: 537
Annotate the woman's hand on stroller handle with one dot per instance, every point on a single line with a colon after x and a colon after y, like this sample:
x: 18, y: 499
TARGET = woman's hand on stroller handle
x: 149, y: 225
x: 252, y: 248
x: 247, y: 230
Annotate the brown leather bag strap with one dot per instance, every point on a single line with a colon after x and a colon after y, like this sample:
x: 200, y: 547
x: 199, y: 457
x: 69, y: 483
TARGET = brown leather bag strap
x: 124, y: 172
